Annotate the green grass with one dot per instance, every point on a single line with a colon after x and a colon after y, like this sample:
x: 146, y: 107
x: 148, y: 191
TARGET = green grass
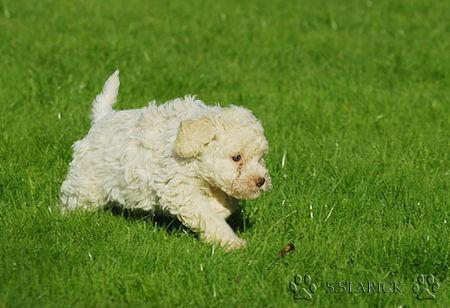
x: 355, y: 94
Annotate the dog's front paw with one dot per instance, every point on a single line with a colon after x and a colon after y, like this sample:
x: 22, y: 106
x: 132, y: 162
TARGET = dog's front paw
x: 235, y: 244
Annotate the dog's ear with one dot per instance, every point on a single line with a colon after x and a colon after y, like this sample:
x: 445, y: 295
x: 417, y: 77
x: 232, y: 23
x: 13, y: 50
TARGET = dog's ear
x: 193, y: 135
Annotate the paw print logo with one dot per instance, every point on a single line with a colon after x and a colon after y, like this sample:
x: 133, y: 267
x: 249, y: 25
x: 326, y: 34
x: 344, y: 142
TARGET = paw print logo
x: 302, y: 287
x: 425, y: 288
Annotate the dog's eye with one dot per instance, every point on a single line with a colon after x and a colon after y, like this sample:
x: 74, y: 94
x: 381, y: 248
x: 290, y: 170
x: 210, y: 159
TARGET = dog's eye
x: 236, y: 158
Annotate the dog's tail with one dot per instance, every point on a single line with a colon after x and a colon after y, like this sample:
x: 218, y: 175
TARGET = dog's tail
x: 104, y: 101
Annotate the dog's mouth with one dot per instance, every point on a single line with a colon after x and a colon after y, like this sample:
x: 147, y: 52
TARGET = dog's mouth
x: 248, y: 190
x: 252, y: 194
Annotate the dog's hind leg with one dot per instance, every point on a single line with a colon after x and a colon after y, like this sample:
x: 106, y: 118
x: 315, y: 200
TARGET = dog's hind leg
x: 80, y: 197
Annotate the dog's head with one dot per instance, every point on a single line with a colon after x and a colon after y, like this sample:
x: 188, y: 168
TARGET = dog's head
x: 228, y: 150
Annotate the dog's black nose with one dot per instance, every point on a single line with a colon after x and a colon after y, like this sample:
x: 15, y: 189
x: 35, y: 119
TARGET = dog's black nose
x: 260, y: 182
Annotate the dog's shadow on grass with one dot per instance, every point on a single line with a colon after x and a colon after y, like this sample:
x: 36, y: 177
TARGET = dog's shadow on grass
x: 236, y: 221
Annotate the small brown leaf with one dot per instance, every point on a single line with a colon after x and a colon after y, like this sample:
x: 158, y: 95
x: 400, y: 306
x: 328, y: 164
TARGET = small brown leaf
x: 289, y: 247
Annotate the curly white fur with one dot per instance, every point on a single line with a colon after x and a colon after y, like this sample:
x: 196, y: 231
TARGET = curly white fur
x: 183, y: 157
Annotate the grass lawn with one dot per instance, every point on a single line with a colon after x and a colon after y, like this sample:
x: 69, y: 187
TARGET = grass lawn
x: 355, y: 100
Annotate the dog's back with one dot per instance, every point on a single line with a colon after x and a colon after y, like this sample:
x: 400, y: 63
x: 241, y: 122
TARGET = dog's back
x: 126, y: 152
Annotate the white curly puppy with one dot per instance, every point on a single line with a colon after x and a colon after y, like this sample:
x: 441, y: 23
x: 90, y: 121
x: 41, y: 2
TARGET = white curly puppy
x: 183, y: 157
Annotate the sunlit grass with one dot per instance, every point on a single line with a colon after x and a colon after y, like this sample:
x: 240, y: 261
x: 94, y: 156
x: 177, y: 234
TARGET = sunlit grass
x: 354, y: 99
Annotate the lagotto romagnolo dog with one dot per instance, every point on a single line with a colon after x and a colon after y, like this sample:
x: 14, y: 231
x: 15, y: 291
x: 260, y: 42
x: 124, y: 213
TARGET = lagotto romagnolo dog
x: 183, y: 157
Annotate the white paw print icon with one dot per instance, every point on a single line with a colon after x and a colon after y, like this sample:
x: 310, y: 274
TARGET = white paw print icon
x: 426, y: 287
